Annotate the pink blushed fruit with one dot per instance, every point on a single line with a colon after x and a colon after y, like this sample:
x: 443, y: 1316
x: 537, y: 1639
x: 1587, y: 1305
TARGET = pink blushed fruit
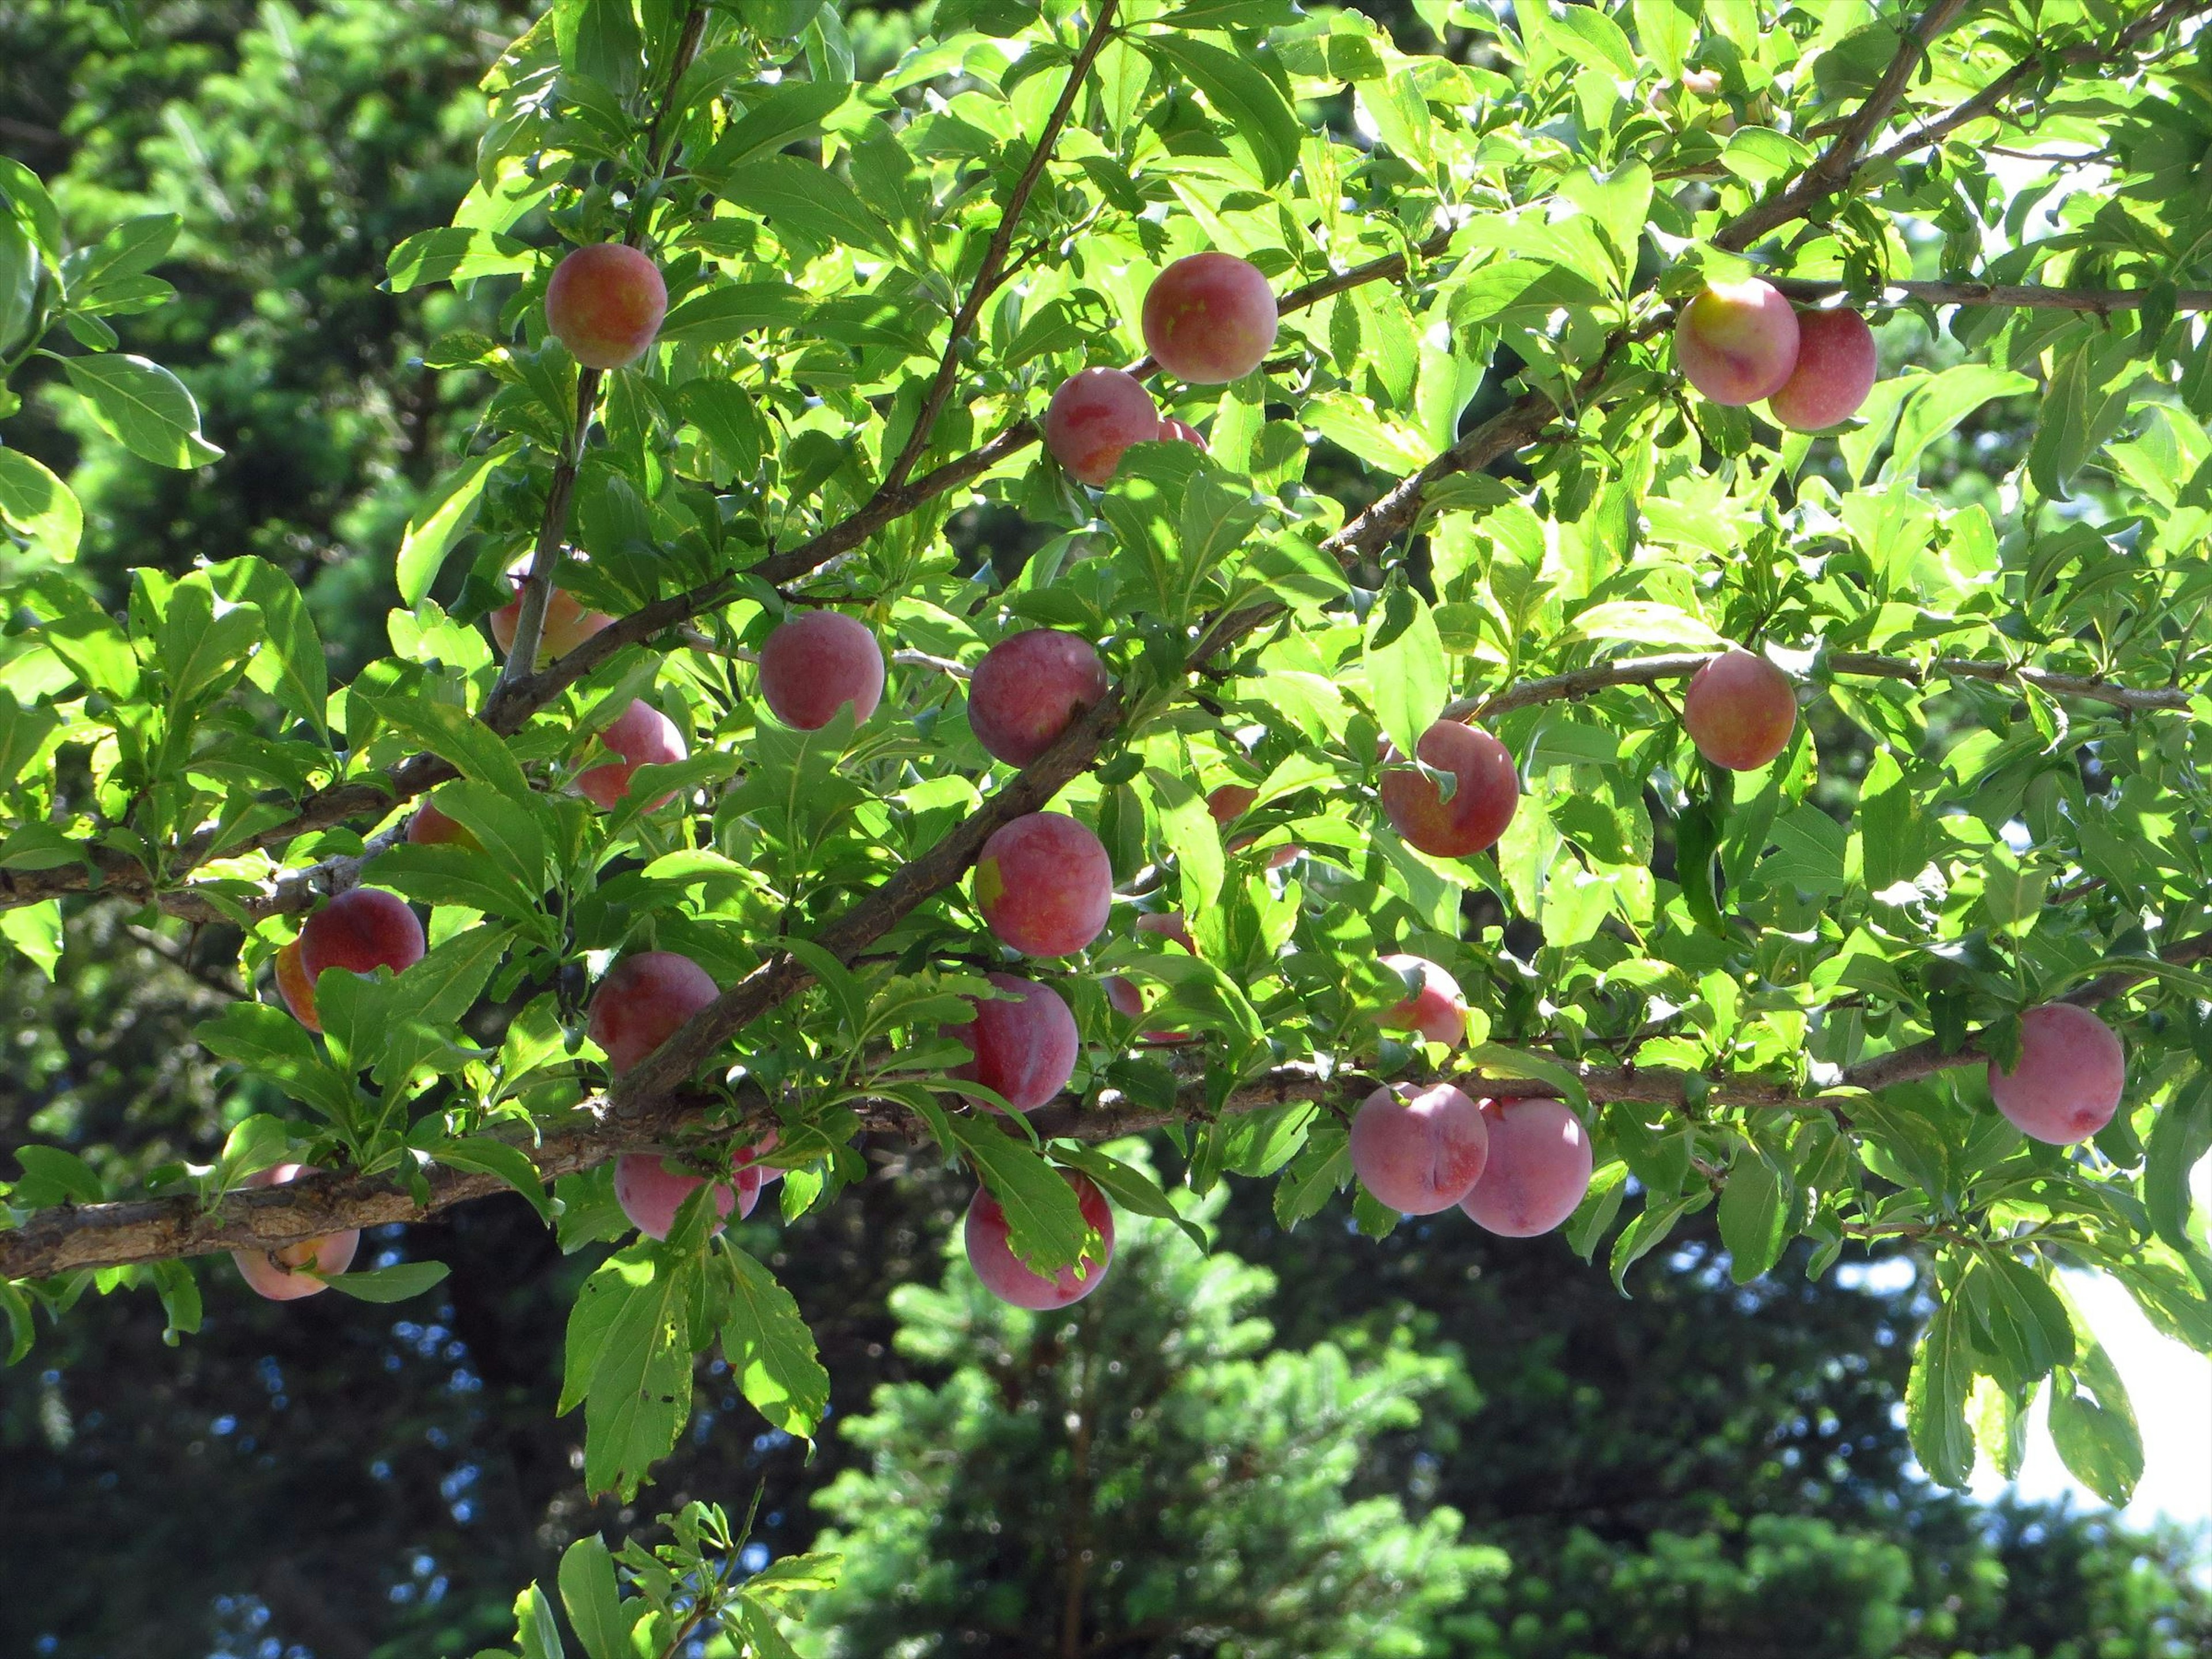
x: 1539, y: 1168
x: 1044, y: 885
x: 282, y: 1274
x: 642, y: 736
x: 1437, y: 1012
x: 1481, y: 806
x: 819, y: 662
x: 1028, y: 688
x: 362, y: 930
x: 1210, y: 319
x: 651, y: 1188
x: 1010, y: 1280
x: 1836, y: 369
x: 1419, y: 1150
x: 642, y: 1002
x: 2070, y: 1077
x: 605, y: 302
x: 1094, y: 417
x: 1737, y: 342
x: 1740, y: 711
x: 1024, y: 1043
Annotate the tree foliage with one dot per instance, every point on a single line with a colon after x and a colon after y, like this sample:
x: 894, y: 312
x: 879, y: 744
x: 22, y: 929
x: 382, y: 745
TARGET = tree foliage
x: 1467, y: 483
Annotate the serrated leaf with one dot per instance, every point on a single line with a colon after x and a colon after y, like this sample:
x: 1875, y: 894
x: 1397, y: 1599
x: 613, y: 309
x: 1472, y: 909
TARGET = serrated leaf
x: 770, y: 1350
x: 397, y: 1283
x: 1935, y: 1400
x: 629, y: 1364
x: 143, y: 407
x: 602, y: 1619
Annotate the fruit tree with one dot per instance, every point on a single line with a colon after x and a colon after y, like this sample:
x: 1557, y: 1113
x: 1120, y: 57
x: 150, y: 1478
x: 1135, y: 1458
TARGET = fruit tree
x: 1519, y: 703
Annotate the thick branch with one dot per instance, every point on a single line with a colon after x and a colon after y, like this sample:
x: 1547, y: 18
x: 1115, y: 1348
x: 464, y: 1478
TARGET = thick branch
x: 71, y: 1237
x: 2024, y: 296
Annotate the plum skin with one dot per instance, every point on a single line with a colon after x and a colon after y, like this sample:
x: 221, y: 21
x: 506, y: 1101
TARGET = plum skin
x: 1210, y: 317
x: 1539, y: 1169
x: 294, y: 986
x: 362, y: 930
x: 605, y: 302
x: 275, y: 1273
x: 1419, y: 1150
x: 1480, y: 808
x: 1229, y: 802
x: 1437, y: 1012
x: 1093, y: 417
x: 1736, y: 343
x: 642, y: 736
x: 1003, y: 1274
x: 1044, y: 885
x: 814, y: 664
x: 1836, y: 367
x: 1024, y: 1044
x: 642, y: 1002
x: 568, y: 624
x: 651, y: 1188
x: 427, y: 827
x: 1740, y: 710
x: 1028, y: 688
x: 2068, y: 1078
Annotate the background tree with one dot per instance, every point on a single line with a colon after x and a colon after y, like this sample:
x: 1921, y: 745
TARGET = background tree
x: 1920, y: 1174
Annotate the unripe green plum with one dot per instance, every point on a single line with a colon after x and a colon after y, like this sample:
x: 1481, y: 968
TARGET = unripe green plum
x: 1419, y: 1150
x: 360, y: 930
x: 1028, y: 688
x: 278, y: 1274
x: 1539, y: 1168
x: 1437, y: 1010
x: 816, y: 663
x: 642, y: 736
x: 1481, y: 806
x: 651, y: 1188
x: 1210, y: 317
x: 604, y: 303
x: 1005, y: 1274
x: 1094, y: 417
x: 1740, y: 710
x: 1737, y: 342
x: 1024, y: 1043
x: 2070, y: 1077
x: 643, y: 1001
x: 1836, y: 369
x: 1044, y: 885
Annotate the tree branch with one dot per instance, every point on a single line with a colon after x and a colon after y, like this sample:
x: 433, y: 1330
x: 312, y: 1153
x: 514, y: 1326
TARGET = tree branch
x: 2025, y: 296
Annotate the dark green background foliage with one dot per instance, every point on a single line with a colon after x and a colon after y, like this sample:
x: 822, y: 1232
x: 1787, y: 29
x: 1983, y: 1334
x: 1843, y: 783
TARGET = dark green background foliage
x: 1311, y: 1442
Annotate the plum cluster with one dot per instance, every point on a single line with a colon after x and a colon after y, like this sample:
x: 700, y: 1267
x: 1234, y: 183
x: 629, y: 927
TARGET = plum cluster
x: 1043, y: 883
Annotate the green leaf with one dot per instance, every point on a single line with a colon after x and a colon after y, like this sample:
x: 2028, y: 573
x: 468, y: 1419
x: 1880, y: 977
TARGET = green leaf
x: 811, y: 200
x: 441, y: 519
x: 2094, y: 1425
x: 289, y: 665
x: 792, y: 111
x: 397, y: 1283
x: 271, y: 1043
x: 2178, y: 1141
x: 143, y: 407
x: 39, y: 507
x: 1406, y: 680
x: 204, y: 639
x: 1753, y: 1213
x: 602, y: 1620
x: 456, y: 736
x: 537, y: 1631
x: 1320, y: 1170
x: 19, y: 282
x: 1665, y: 30
x: 1251, y: 109
x: 1937, y: 404
x: 769, y: 1349
x: 1935, y: 1400
x: 722, y: 313
x: 35, y: 931
x: 629, y: 1364
x: 53, y: 1176
x: 496, y: 1157
x: 1127, y: 1186
x: 449, y: 874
